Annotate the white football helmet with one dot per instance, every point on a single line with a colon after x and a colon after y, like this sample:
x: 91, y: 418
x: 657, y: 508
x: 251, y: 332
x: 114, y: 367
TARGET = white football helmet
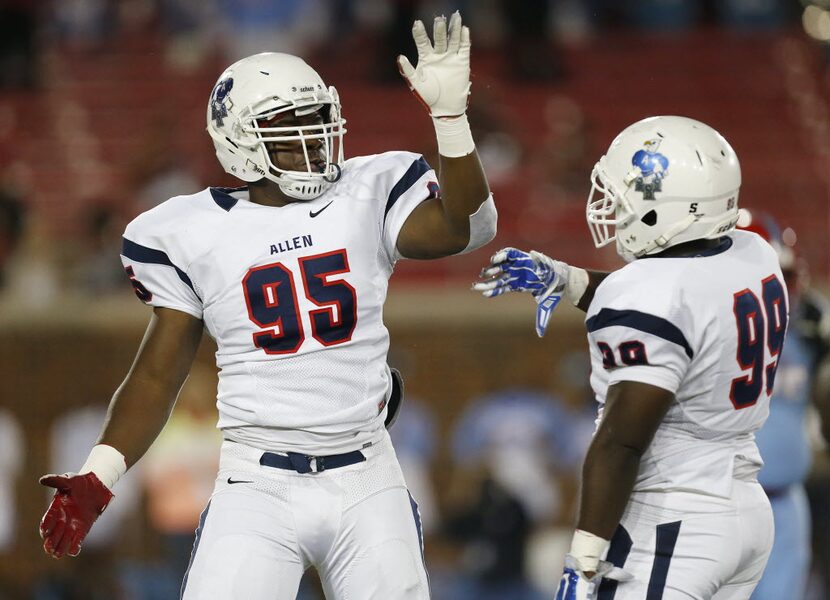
x: 244, y: 102
x: 663, y: 181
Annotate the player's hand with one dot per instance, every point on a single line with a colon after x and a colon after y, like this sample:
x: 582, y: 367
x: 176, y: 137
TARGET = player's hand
x: 441, y: 81
x: 575, y: 585
x: 512, y: 270
x: 78, y: 502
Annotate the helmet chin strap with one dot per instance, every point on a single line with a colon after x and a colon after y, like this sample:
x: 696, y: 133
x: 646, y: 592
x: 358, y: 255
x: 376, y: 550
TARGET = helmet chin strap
x: 668, y: 235
x: 304, y: 189
x: 333, y: 174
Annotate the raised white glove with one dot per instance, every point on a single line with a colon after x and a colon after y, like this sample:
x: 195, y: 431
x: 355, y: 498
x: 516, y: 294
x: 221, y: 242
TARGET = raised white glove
x: 574, y: 585
x: 442, y: 78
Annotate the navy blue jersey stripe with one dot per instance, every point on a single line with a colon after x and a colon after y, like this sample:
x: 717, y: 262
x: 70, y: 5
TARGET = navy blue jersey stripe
x: 416, y: 513
x: 413, y: 174
x: 143, y: 254
x: 634, y: 319
x: 664, y: 550
x: 222, y: 196
x: 199, y: 532
x: 618, y: 552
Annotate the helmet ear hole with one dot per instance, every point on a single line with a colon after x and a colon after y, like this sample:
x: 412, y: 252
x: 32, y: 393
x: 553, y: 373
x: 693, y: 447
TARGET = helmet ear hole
x: 650, y: 218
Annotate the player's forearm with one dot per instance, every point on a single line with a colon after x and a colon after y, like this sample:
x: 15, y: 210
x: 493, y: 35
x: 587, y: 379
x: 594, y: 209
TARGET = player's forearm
x: 137, y: 413
x: 463, y: 190
x: 464, y: 186
x: 608, y: 477
x: 142, y: 404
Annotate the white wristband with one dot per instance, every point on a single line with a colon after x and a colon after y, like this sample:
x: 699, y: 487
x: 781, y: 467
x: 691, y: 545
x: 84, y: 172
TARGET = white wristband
x: 577, y: 284
x: 107, y: 463
x: 454, y: 136
x: 588, y: 549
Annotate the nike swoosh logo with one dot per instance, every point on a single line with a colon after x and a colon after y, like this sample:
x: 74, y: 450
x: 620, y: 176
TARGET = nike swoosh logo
x: 232, y: 481
x: 313, y: 214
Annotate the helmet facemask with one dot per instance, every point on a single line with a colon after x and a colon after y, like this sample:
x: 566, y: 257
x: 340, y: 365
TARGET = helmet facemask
x: 607, y: 207
x: 316, y: 176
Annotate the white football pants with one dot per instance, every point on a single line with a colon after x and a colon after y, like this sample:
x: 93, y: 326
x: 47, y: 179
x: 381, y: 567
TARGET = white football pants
x: 264, y: 526
x: 686, y: 546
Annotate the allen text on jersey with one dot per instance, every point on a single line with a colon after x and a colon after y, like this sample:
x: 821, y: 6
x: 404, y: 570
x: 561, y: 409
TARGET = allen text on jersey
x: 300, y: 241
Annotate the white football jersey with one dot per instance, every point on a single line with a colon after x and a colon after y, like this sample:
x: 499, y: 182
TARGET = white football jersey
x: 292, y: 295
x: 709, y: 329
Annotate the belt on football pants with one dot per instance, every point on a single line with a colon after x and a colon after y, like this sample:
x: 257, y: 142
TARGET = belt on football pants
x: 303, y: 463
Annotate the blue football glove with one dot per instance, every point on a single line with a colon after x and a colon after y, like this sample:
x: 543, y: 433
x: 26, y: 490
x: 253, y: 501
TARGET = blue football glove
x: 513, y: 270
x: 574, y: 585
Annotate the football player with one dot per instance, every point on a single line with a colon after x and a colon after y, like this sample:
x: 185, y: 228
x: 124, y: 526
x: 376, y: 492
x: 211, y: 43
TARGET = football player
x: 289, y: 274
x: 684, y: 343
x: 783, y: 440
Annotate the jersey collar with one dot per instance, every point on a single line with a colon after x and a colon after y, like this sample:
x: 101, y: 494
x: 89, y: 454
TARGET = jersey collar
x: 222, y: 196
x: 724, y: 245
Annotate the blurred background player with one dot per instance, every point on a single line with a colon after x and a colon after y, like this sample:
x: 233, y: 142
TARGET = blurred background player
x: 783, y: 440
x: 289, y: 275
x: 514, y: 450
x: 684, y: 344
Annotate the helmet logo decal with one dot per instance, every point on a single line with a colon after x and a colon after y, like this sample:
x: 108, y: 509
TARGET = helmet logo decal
x: 652, y: 167
x: 218, y: 110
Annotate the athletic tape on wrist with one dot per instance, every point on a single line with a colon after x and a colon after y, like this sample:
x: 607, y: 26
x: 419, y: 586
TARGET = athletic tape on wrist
x: 454, y: 136
x: 107, y: 463
x: 588, y: 549
x: 577, y: 284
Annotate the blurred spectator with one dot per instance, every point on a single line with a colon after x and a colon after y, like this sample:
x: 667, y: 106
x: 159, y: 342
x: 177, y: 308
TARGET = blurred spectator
x: 531, y: 53
x: 754, y: 14
x: 192, y: 27
x: 673, y: 15
x: 495, y: 530
x: 562, y: 167
x: 18, y: 50
x: 494, y: 129
x: 11, y: 463
x: 559, y: 181
x: 521, y: 436
x: 11, y: 228
x: 98, y: 269
x: 396, y: 39
x: 512, y: 448
x: 83, y: 24
x: 30, y: 274
x: 252, y: 26
x: 158, y: 171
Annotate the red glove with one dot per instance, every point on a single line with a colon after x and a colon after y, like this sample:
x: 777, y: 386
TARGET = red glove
x: 78, y: 502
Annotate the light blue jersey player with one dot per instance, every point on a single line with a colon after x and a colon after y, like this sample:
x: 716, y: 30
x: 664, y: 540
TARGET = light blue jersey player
x: 783, y: 440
